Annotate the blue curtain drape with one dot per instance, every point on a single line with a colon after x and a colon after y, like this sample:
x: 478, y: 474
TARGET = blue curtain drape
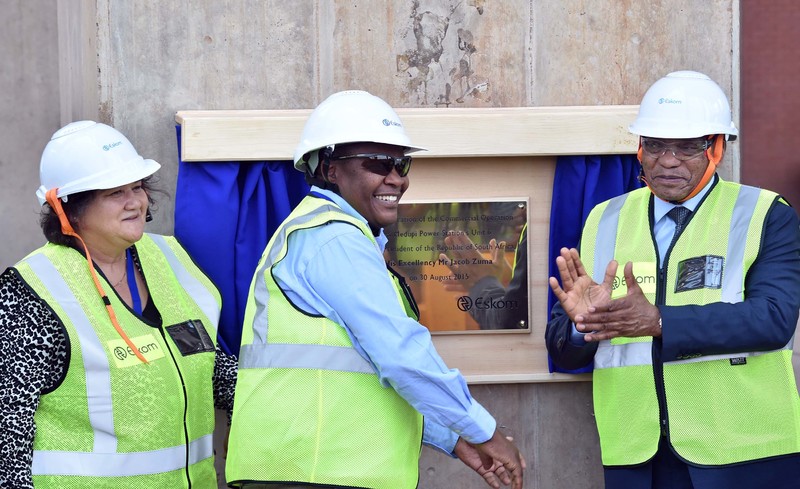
x: 224, y: 214
x: 580, y: 183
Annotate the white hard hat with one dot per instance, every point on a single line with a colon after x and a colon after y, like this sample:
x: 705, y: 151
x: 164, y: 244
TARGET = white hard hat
x: 682, y: 105
x: 88, y: 155
x: 351, y: 116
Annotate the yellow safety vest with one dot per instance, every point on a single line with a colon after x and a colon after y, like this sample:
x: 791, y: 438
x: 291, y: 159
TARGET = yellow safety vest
x: 711, y: 415
x: 114, y: 421
x: 308, y: 407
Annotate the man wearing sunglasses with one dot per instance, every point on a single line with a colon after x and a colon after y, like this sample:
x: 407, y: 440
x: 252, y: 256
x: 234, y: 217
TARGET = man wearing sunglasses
x: 692, y: 342
x: 340, y: 384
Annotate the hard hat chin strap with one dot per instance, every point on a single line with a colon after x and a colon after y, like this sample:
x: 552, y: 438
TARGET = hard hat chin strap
x: 66, y: 228
x: 714, y: 154
x: 325, y: 162
x: 55, y: 204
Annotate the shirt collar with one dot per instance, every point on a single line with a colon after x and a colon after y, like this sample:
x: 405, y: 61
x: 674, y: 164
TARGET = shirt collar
x: 660, y: 207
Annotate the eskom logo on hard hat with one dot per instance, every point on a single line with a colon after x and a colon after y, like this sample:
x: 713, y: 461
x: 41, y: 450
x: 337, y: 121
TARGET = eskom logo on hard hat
x: 387, y: 122
x: 669, y: 101
x: 106, y: 147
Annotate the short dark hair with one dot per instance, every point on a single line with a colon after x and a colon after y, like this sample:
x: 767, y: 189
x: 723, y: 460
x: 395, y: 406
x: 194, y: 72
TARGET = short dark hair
x: 323, y: 157
x: 74, y: 209
x: 317, y: 179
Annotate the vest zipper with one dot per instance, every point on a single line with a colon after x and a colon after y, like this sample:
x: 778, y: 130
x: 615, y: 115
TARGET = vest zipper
x: 658, y: 364
x: 185, y: 405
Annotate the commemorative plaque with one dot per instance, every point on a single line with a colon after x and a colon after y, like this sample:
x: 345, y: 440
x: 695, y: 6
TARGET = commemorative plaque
x: 465, y: 262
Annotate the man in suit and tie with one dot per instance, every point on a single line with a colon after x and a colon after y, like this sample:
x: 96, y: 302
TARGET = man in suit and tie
x: 685, y: 295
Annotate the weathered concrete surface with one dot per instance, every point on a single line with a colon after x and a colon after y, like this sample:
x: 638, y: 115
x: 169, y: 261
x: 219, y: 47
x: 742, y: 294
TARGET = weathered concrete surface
x: 553, y: 426
x: 29, y: 103
x: 154, y: 58
x: 601, y: 53
x: 159, y: 57
x: 608, y: 53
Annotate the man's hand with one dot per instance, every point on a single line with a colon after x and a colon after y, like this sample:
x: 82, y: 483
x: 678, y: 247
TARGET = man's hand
x: 494, y: 476
x: 499, y: 452
x: 629, y: 316
x: 580, y: 292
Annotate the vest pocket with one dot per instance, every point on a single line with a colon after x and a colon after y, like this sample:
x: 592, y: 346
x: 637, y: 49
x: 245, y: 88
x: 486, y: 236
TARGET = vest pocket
x: 190, y: 337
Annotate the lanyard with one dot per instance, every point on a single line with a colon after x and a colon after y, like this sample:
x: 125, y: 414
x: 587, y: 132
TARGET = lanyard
x: 137, y: 302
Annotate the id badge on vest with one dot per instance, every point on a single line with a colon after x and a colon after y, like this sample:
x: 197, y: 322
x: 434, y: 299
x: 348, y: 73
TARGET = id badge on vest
x: 702, y: 272
x: 190, y: 337
x: 645, y: 273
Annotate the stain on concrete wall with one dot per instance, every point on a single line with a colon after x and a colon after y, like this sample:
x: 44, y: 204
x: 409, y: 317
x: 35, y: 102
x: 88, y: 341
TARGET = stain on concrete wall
x: 443, y: 52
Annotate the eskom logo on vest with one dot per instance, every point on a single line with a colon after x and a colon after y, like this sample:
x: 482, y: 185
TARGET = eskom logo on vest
x: 125, y: 357
x: 643, y: 272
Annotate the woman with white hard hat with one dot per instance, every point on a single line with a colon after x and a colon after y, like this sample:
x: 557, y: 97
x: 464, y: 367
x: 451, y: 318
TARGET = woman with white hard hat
x: 111, y: 371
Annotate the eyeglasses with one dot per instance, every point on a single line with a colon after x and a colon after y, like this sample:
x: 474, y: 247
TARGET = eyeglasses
x: 382, y: 164
x: 683, y: 150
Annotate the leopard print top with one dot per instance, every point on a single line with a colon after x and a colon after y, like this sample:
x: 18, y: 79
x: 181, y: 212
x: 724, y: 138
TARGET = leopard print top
x: 33, y: 362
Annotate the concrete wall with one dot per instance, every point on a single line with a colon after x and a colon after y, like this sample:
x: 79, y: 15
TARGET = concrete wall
x: 134, y: 64
x: 29, y: 104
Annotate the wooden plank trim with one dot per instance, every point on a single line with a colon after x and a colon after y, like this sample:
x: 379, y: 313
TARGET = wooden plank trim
x: 254, y: 135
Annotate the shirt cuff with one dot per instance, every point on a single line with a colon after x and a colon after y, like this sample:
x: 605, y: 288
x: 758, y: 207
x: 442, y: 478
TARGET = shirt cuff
x: 478, y: 426
x: 576, y: 337
x: 439, y: 437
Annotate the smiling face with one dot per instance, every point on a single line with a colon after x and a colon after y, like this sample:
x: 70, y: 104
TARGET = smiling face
x: 115, y: 218
x: 669, y: 178
x: 374, y: 196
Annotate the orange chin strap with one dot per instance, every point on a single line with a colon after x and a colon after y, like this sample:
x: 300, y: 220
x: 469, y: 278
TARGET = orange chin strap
x: 713, y: 153
x: 66, y: 228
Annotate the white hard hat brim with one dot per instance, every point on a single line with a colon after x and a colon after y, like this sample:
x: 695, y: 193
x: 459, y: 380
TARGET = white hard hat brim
x: 350, y: 116
x: 112, y: 178
x: 657, y: 128
x: 301, y: 164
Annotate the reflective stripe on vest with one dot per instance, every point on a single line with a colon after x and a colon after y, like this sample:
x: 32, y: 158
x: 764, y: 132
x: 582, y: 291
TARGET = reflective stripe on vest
x: 610, y: 355
x: 322, y: 357
x: 101, y: 464
x: 103, y: 458
x: 606, y: 240
x: 630, y: 354
x: 261, y: 354
x: 196, y: 290
x: 626, y: 407
x: 302, y: 373
x: 98, y: 381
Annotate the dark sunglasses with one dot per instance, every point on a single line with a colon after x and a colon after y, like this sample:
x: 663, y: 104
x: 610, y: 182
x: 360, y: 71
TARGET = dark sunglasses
x: 382, y: 164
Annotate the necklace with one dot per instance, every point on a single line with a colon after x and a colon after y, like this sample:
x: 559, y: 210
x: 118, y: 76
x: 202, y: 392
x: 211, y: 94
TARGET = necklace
x: 124, y: 271
x: 124, y: 275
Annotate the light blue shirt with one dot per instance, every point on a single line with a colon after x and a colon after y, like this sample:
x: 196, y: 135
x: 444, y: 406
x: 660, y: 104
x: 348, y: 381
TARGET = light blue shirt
x: 335, y: 272
x: 663, y: 229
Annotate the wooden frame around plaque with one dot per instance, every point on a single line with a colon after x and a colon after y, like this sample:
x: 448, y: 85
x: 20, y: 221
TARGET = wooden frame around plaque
x: 483, y: 154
